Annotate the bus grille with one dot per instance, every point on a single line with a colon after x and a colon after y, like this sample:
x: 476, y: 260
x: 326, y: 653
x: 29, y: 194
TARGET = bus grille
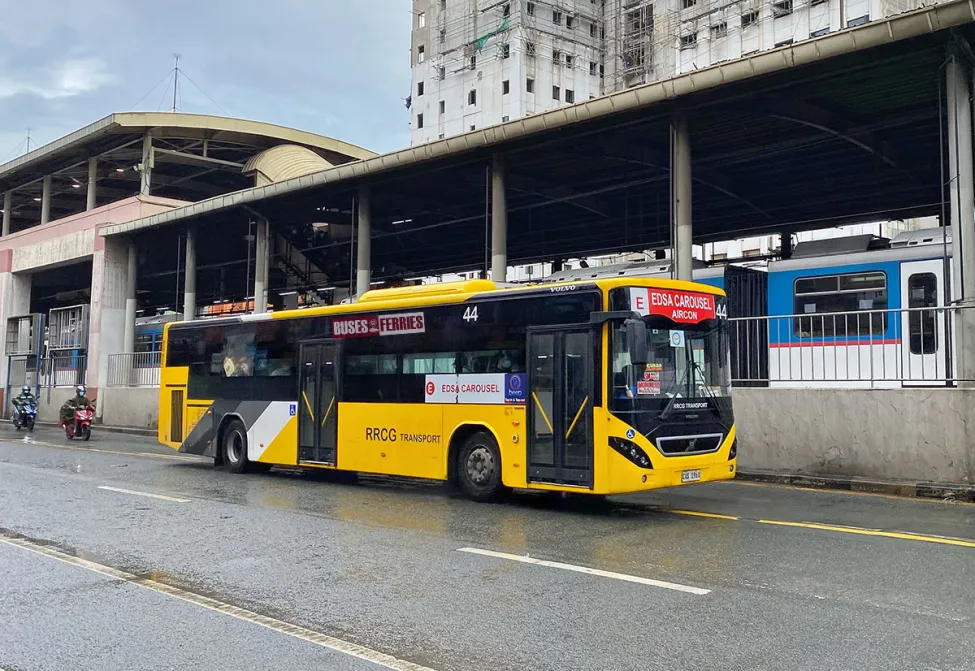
x: 674, y: 445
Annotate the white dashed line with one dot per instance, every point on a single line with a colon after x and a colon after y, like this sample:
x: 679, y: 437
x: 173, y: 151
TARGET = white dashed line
x: 161, y: 497
x: 590, y: 571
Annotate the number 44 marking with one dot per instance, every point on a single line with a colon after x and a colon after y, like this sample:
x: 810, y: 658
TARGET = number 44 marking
x: 722, y: 311
x: 470, y: 314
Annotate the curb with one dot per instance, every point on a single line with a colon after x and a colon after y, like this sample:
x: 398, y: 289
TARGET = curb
x: 131, y: 431
x: 930, y: 490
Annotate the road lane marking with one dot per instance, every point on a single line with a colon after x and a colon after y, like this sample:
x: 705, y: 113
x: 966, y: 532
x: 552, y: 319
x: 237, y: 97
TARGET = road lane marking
x: 590, y: 571
x: 695, y: 513
x: 162, y: 497
x: 279, y: 626
x: 944, y: 540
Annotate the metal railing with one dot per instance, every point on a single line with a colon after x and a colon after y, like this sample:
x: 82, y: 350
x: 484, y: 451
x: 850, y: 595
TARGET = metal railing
x: 139, y: 369
x: 865, y: 348
x: 48, y: 372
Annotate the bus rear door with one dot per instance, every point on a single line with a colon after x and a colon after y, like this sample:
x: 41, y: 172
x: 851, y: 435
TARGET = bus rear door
x: 560, y: 371
x: 318, y: 404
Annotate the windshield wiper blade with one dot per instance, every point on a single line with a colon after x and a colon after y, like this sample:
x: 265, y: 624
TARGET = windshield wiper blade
x: 665, y: 413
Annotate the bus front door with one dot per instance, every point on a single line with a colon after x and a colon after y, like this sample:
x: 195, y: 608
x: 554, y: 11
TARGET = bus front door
x: 560, y: 370
x: 318, y: 405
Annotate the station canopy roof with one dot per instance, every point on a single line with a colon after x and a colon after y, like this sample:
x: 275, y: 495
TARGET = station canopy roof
x: 840, y: 129
x: 196, y: 157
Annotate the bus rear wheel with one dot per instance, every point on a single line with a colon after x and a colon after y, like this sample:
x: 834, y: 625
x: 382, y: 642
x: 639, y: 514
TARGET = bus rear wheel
x: 479, y: 467
x: 234, y: 447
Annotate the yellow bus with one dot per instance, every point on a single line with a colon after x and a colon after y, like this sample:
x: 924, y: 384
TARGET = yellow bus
x: 601, y: 386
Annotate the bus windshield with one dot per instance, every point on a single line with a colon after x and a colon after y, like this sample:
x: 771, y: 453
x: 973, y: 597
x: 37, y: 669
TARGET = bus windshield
x: 683, y: 361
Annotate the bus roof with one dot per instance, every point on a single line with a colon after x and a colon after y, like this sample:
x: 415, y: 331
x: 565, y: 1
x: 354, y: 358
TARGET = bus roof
x: 444, y: 293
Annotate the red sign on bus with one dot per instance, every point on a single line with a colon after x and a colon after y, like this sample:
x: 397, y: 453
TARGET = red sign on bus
x: 378, y: 325
x: 684, y: 307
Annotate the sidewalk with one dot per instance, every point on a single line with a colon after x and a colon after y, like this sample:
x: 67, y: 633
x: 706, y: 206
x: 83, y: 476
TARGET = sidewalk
x: 934, y: 490
x: 131, y: 431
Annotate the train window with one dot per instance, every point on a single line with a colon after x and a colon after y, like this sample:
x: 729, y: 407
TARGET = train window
x: 146, y: 342
x: 922, y: 292
x: 829, y: 305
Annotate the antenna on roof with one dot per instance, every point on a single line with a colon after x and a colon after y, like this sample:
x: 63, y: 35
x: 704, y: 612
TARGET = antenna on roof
x: 175, y: 80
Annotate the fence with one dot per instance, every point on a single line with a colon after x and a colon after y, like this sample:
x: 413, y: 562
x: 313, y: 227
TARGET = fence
x: 865, y: 348
x: 140, y: 369
x: 56, y: 371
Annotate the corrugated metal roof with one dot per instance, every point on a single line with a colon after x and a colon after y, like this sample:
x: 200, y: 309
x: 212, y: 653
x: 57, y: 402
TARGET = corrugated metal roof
x: 286, y: 161
x: 901, y: 27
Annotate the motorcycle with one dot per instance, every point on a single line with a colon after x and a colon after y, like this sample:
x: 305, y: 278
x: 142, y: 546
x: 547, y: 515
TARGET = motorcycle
x: 80, y: 426
x: 24, y: 415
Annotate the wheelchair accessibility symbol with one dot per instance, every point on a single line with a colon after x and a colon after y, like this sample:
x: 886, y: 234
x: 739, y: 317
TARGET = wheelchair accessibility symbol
x: 292, y: 409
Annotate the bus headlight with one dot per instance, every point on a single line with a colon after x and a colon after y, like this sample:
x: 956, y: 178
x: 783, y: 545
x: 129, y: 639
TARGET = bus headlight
x: 631, y: 451
x: 734, y: 449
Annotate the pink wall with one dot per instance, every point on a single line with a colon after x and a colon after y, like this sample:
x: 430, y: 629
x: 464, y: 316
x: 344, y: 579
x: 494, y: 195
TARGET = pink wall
x: 118, y: 212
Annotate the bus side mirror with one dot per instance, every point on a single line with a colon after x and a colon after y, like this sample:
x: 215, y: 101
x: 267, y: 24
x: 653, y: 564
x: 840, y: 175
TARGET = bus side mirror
x: 636, y: 341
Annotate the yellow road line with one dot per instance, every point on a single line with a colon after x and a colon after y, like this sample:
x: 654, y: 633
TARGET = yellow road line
x: 279, y: 626
x: 874, y: 532
x: 694, y: 513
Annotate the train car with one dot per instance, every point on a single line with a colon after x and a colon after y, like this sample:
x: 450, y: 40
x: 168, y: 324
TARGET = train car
x: 860, y: 312
x: 149, y: 332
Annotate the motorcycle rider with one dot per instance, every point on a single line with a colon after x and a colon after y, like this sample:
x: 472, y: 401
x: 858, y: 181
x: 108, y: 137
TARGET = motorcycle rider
x: 79, y: 400
x: 24, y: 399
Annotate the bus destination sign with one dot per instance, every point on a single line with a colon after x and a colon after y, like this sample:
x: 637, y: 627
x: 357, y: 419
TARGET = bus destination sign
x: 378, y: 325
x: 686, y: 307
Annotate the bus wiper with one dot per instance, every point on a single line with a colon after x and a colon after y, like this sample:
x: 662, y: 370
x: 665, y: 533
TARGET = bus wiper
x: 698, y: 368
x: 665, y: 413
x: 707, y: 389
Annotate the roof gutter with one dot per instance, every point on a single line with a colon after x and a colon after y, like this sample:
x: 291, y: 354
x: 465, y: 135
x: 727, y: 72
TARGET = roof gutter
x: 921, y: 22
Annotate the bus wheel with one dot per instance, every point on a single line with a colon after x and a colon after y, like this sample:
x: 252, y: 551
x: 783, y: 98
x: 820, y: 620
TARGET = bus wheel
x: 479, y: 467
x: 235, y: 447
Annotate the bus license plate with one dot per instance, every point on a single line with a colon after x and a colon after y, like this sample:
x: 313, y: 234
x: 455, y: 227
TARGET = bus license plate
x: 691, y: 476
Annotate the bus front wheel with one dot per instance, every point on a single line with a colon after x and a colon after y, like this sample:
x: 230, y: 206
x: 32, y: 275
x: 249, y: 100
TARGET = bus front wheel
x: 235, y: 447
x: 479, y: 467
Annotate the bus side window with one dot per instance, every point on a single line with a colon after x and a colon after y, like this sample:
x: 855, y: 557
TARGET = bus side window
x: 369, y: 378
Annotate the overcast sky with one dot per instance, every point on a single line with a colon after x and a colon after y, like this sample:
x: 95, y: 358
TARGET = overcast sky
x: 336, y: 67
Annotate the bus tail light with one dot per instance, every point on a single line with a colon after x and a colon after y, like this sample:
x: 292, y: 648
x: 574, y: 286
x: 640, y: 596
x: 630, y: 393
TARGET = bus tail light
x: 631, y: 451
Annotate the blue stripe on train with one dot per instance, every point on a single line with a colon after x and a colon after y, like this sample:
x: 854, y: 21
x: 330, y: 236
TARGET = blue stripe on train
x: 781, y: 300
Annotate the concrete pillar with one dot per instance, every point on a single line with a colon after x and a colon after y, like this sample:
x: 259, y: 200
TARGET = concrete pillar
x: 46, y: 199
x: 961, y: 194
x: 8, y: 205
x: 785, y: 244
x: 108, y: 324
x: 363, y: 263
x: 92, y: 200
x: 146, y: 183
x: 499, y: 221
x: 15, y: 291
x: 680, y: 178
x: 189, y: 281
x: 131, y: 304
x: 261, y: 249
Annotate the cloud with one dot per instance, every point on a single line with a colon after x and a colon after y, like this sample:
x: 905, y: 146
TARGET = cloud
x: 336, y: 67
x: 71, y: 77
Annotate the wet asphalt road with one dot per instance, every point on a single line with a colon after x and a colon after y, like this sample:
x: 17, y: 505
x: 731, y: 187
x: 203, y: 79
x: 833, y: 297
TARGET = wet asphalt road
x: 376, y: 564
